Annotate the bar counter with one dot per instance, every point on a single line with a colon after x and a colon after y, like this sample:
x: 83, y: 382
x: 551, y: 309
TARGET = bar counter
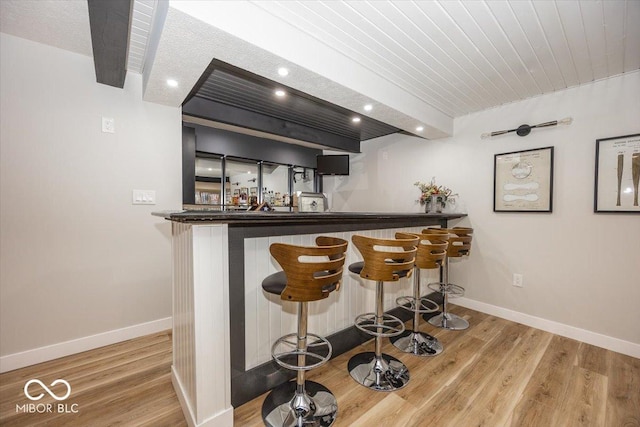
x: 224, y: 324
x: 253, y: 218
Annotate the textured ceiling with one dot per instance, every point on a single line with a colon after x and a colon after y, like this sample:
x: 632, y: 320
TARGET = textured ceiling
x: 63, y: 24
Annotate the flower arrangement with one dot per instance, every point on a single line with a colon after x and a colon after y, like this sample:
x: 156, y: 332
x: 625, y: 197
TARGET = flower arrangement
x: 428, y: 190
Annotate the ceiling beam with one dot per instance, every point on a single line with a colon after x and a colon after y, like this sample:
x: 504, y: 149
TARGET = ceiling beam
x: 110, y: 23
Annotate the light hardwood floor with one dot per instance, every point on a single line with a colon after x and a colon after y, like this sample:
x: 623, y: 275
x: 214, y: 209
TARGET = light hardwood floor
x: 496, y: 373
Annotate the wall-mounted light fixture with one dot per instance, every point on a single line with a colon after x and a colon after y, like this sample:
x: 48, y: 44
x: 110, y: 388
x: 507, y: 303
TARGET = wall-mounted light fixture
x: 524, y: 130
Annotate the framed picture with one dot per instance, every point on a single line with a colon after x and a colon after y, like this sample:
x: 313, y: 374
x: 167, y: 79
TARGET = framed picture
x: 617, y: 174
x: 523, y: 181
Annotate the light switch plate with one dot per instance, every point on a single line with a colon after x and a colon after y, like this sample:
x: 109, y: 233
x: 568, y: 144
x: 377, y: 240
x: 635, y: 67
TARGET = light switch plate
x: 144, y: 197
x: 108, y: 125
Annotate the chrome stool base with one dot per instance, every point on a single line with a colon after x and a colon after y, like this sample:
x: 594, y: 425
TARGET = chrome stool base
x: 286, y: 407
x: 380, y: 374
x: 417, y: 343
x: 449, y: 321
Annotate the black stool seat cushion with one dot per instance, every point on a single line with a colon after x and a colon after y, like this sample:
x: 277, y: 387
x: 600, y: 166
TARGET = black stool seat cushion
x: 276, y: 282
x: 402, y: 273
x: 357, y: 267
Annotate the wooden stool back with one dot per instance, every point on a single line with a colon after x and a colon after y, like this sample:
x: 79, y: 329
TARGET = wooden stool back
x: 311, y: 280
x: 386, y: 265
x: 459, y: 241
x: 333, y: 241
x: 432, y: 250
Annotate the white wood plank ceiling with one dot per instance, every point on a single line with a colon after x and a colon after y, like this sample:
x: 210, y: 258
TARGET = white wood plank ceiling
x: 141, y: 23
x: 466, y: 56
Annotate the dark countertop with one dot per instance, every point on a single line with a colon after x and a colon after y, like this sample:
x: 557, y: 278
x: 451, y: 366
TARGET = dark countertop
x: 292, y: 218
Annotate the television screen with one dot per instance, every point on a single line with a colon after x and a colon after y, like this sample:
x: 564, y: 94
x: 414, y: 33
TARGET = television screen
x: 337, y: 164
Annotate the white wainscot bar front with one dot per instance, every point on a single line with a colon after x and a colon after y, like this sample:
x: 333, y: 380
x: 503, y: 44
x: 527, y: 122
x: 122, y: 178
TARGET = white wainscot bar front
x: 224, y: 324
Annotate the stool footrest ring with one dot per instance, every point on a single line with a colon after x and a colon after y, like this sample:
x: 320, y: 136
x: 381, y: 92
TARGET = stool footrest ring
x: 447, y: 288
x: 285, y: 352
x: 417, y: 304
x: 390, y: 326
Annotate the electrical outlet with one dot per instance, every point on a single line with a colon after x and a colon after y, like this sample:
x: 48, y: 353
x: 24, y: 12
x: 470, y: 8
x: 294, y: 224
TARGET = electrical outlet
x: 108, y: 125
x: 144, y: 197
x: 518, y: 280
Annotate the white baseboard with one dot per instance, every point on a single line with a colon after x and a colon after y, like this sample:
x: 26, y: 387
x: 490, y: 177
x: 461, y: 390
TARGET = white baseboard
x: 221, y: 419
x: 583, y: 335
x: 55, y: 351
x: 187, y: 411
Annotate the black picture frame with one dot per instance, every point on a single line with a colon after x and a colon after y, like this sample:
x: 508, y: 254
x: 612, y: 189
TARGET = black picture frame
x: 617, y: 175
x: 523, y: 181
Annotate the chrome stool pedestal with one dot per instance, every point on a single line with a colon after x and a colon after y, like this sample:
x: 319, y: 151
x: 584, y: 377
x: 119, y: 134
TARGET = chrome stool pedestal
x: 445, y: 319
x: 459, y: 246
x: 300, y: 402
x: 312, y: 405
x: 414, y: 341
x: 303, y: 403
x: 375, y: 370
x: 378, y: 372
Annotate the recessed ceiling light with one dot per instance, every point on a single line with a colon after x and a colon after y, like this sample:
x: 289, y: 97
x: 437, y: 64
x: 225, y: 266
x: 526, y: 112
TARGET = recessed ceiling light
x: 280, y: 93
x: 356, y: 120
x: 420, y: 128
x: 172, y: 83
x: 368, y: 107
x: 209, y: 169
x: 248, y: 171
x: 283, y: 71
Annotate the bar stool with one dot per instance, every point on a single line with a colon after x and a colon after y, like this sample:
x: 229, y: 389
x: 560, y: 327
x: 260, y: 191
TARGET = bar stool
x: 432, y: 250
x: 459, y: 246
x: 384, y: 260
x: 312, y: 278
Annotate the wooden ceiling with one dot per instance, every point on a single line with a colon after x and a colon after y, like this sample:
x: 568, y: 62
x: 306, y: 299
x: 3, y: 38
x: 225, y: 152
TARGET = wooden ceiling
x: 466, y: 56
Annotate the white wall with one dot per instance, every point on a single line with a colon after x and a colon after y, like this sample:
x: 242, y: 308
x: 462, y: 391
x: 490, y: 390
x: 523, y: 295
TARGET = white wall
x: 277, y: 180
x: 580, y: 269
x: 78, y: 259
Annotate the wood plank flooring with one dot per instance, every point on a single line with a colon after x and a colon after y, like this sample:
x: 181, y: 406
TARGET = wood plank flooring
x: 496, y: 373
x: 126, y: 384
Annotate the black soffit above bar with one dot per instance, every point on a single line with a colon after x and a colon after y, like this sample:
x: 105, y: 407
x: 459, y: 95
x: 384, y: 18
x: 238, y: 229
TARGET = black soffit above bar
x: 238, y: 97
